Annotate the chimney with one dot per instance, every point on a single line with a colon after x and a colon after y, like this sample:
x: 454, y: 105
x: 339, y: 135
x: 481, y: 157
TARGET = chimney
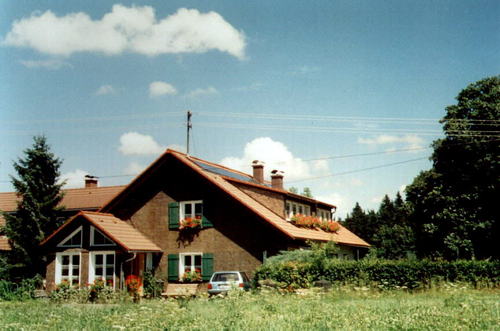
x: 90, y: 181
x: 258, y: 171
x: 277, y: 179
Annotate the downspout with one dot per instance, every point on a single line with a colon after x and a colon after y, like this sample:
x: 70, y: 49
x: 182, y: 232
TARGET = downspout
x: 122, y: 282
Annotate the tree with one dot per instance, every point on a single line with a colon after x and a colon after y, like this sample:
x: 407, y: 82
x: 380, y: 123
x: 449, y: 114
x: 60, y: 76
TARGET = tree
x: 453, y: 205
x: 294, y: 190
x: 307, y: 192
x: 37, y: 213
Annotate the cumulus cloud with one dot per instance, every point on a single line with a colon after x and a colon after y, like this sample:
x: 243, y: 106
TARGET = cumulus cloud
x: 412, y: 141
x: 134, y: 29
x: 134, y: 143
x: 105, y: 89
x: 158, y: 88
x: 276, y: 156
x: 74, y: 179
x: 202, y: 92
x: 134, y: 168
x: 52, y: 64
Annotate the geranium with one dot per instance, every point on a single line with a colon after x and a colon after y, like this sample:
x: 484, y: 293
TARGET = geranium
x: 191, y: 276
x: 312, y: 222
x: 190, y: 223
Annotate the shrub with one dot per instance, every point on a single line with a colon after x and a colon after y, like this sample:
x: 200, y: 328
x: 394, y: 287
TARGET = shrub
x: 23, y: 290
x: 301, y: 269
x: 152, y: 285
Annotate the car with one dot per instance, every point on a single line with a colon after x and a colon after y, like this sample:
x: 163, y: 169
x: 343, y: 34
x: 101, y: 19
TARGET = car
x: 223, y: 281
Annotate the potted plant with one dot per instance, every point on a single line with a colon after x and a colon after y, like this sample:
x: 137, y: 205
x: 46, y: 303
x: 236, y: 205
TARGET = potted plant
x: 190, y: 223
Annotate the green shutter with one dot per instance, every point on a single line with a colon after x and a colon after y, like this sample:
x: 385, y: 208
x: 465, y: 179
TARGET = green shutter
x: 207, y: 266
x: 173, y: 267
x: 173, y: 215
x: 205, y: 222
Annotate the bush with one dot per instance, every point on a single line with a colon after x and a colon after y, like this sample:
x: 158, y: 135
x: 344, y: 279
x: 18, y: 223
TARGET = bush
x: 153, y: 286
x: 23, y: 290
x: 301, y: 269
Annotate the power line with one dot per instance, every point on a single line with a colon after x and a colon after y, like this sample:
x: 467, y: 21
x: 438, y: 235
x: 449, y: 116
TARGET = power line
x: 359, y: 170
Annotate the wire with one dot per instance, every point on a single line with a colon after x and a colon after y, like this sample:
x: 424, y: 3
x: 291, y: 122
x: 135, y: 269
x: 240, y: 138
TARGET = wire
x: 358, y: 170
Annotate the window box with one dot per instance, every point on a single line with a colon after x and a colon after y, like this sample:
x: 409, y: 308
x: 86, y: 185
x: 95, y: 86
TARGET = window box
x: 312, y: 222
x: 190, y: 223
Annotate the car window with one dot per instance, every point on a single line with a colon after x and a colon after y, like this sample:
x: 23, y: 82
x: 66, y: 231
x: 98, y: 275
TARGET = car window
x: 226, y: 277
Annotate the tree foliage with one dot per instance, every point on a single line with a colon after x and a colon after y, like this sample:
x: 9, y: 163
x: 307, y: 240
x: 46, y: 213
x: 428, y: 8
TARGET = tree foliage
x: 453, y: 205
x: 387, y: 229
x: 37, y: 213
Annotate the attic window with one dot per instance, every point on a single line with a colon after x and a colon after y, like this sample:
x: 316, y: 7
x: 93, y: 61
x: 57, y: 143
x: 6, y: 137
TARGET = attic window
x: 73, y: 240
x: 293, y: 208
x: 192, y: 209
x: 97, y: 238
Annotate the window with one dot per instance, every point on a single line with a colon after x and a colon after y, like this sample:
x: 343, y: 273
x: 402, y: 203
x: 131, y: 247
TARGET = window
x: 324, y: 214
x: 189, y: 263
x: 68, y: 268
x: 178, y: 264
x: 292, y: 208
x: 97, y: 238
x: 73, y: 240
x: 102, y: 267
x: 192, y: 209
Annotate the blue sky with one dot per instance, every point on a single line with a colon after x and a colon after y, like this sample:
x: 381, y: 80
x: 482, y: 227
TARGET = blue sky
x: 304, y: 86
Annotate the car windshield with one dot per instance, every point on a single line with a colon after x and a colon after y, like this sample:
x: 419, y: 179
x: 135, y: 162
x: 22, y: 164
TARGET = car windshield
x: 226, y: 277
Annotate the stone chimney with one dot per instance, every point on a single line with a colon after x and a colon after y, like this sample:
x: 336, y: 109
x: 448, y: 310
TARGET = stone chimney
x: 90, y: 181
x: 258, y: 171
x: 277, y: 179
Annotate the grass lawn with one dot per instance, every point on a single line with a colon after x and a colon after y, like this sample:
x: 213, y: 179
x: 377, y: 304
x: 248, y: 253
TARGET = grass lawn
x: 448, y: 309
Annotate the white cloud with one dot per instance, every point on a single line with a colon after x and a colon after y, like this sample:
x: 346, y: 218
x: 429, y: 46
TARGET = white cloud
x: 202, y: 91
x: 178, y: 148
x: 52, y: 64
x: 276, y: 156
x: 134, y: 143
x: 105, y: 89
x: 158, y: 88
x: 74, y: 179
x: 134, y: 168
x: 412, y: 141
x: 338, y: 200
x: 133, y: 29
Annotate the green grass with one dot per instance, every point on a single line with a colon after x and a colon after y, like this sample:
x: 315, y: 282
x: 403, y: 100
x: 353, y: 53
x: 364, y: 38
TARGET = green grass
x: 346, y: 309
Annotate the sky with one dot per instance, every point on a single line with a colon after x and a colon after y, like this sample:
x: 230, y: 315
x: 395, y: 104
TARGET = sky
x: 345, y: 97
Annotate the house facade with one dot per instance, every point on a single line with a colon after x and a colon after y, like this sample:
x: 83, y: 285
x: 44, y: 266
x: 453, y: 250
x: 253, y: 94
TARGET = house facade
x: 185, y: 215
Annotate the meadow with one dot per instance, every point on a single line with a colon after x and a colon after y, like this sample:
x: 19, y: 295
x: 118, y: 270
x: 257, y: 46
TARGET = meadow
x: 450, y: 308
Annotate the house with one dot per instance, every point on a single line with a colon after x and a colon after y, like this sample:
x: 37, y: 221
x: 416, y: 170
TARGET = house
x: 89, y: 198
x: 184, y: 215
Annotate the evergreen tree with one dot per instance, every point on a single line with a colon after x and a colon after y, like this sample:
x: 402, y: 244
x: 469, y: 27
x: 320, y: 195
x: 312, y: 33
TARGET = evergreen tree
x: 307, y: 192
x: 37, y: 213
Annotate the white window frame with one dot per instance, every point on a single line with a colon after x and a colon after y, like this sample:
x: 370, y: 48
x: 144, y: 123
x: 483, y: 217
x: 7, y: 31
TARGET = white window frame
x: 325, y: 214
x: 62, y: 243
x: 58, y: 274
x: 193, y: 206
x: 148, y: 264
x: 298, y: 207
x: 181, y: 262
x: 92, y: 232
x: 92, y: 267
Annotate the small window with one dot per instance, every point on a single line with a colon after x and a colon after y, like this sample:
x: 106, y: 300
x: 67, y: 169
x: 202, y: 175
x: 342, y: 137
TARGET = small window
x: 97, y: 238
x: 73, y: 240
x: 190, y: 263
x: 191, y: 209
x: 68, y: 268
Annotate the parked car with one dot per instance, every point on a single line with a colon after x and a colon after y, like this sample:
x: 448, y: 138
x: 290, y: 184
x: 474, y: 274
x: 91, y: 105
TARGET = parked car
x: 223, y: 281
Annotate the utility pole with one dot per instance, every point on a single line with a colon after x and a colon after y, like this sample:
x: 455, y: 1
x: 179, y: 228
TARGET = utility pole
x: 189, y: 126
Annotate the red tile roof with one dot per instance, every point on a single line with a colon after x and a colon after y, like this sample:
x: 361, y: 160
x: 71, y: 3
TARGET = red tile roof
x: 121, y: 232
x: 77, y: 198
x: 342, y: 236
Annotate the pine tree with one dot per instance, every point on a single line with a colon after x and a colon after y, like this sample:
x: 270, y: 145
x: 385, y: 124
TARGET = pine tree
x: 37, y: 213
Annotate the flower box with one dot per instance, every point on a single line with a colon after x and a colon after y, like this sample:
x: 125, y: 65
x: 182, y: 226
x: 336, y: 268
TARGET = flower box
x: 190, y: 223
x: 191, y: 276
x: 313, y: 222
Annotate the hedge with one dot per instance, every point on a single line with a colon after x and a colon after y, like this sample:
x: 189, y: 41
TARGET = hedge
x: 383, y: 273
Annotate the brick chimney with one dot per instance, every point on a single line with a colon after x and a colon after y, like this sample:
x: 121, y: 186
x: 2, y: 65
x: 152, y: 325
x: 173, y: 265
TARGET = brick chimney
x: 277, y: 179
x: 90, y: 181
x: 258, y: 171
